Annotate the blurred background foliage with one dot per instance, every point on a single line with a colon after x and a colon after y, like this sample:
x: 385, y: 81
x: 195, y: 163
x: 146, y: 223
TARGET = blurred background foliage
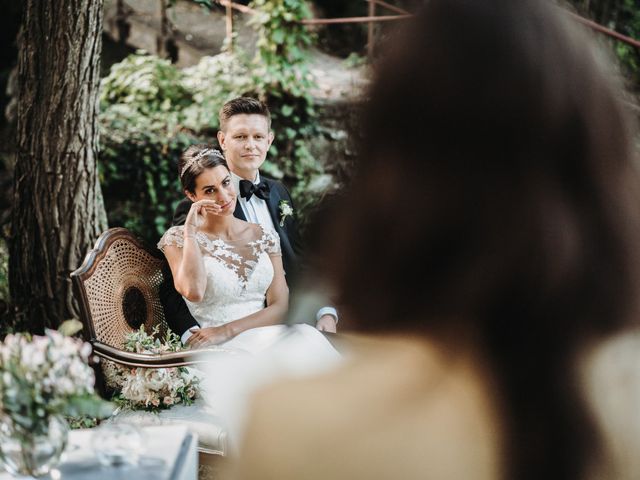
x: 151, y: 111
x: 623, y: 16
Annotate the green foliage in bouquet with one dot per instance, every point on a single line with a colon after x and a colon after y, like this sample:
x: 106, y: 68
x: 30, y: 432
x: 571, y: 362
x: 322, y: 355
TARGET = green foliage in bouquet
x: 141, y: 342
x: 153, y: 389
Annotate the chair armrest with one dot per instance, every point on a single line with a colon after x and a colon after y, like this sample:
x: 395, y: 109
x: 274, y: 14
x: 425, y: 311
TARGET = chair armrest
x: 156, y: 360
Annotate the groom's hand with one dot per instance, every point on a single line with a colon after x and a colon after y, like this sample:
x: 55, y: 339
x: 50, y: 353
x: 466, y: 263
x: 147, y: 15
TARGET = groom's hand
x: 327, y: 323
x: 209, y: 336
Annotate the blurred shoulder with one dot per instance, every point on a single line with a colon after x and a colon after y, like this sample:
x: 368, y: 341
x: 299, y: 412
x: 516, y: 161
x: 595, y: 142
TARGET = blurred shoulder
x: 374, y: 417
x: 611, y: 376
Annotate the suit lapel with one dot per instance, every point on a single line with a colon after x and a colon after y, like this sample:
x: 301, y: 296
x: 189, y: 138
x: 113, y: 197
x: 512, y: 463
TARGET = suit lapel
x: 272, y: 203
x: 238, y: 213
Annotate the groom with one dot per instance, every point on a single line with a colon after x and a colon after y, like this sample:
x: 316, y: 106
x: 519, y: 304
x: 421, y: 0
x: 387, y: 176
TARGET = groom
x: 245, y: 137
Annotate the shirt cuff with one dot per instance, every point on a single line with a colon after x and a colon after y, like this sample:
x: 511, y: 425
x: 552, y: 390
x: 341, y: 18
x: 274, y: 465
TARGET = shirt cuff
x: 187, y: 335
x: 327, y: 311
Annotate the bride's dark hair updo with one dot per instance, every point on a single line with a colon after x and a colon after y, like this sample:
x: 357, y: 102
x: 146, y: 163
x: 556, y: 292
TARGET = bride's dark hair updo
x: 194, y: 160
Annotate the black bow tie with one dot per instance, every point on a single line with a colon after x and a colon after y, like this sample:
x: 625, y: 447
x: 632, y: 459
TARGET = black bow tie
x: 248, y: 189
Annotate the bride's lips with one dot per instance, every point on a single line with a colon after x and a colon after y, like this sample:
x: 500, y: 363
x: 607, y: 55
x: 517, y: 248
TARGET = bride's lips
x: 226, y: 205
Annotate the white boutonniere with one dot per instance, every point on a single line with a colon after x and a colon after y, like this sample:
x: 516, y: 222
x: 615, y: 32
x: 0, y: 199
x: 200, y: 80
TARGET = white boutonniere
x: 286, y: 210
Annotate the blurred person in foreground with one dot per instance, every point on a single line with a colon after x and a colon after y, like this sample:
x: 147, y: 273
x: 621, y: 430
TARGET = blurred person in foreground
x: 488, y: 299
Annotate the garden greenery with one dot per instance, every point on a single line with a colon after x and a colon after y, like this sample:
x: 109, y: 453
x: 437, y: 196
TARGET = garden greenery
x: 151, y: 111
x: 628, y: 55
x: 283, y: 80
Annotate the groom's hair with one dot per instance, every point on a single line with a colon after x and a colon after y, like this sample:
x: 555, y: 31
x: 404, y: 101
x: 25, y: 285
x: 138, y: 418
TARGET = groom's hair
x: 243, y: 105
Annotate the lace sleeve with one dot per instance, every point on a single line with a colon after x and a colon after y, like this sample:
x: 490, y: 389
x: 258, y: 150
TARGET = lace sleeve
x: 272, y: 242
x: 173, y: 236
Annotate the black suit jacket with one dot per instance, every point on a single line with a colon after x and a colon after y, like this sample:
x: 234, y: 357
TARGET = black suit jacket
x: 176, y: 311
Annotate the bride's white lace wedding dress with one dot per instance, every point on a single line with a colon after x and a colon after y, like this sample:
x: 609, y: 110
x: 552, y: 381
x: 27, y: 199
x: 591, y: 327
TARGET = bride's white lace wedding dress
x: 238, y: 276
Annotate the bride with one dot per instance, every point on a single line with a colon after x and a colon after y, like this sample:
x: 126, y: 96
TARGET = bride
x: 229, y: 271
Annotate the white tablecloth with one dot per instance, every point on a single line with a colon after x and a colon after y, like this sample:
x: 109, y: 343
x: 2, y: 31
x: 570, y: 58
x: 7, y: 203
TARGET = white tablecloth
x: 169, y: 453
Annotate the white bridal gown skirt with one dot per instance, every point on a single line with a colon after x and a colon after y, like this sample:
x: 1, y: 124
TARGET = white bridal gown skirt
x: 256, y: 358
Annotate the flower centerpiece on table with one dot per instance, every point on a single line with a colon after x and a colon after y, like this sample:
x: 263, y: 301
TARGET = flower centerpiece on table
x: 153, y: 388
x: 43, y: 379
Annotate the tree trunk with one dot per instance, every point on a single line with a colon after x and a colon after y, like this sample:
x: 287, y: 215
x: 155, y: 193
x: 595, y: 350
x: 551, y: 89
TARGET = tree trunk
x: 57, y: 205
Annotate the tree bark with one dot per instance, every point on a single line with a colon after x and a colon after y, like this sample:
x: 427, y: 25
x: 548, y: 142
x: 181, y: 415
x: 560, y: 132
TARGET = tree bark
x: 57, y: 206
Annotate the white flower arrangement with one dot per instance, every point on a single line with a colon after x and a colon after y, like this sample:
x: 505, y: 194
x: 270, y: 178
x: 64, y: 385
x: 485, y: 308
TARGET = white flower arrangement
x: 153, y: 388
x: 286, y: 210
x: 46, y: 375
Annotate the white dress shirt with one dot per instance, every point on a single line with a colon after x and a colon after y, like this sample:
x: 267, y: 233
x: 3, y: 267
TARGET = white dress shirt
x: 255, y: 210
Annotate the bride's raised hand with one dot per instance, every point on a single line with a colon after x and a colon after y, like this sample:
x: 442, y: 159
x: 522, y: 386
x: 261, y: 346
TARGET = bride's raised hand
x: 197, y: 212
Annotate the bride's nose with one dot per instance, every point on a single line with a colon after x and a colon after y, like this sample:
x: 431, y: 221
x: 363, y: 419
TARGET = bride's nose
x: 223, y: 198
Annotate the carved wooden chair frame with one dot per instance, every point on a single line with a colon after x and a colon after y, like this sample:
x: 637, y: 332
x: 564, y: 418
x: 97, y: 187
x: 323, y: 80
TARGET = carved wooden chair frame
x: 130, y: 297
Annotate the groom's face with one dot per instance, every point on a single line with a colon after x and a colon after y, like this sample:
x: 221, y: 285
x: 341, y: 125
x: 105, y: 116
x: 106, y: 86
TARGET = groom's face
x: 245, y: 142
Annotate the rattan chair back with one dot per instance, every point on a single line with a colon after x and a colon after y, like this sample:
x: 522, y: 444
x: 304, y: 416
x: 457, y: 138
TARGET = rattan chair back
x: 118, y: 287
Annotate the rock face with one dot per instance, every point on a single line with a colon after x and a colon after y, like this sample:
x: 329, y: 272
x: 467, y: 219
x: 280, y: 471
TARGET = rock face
x: 196, y: 32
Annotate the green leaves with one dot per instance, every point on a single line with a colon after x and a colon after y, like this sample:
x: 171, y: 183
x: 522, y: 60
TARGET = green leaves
x: 282, y: 79
x: 278, y: 36
x: 622, y: 16
x: 88, y: 406
x: 70, y: 327
x: 147, y: 83
x: 280, y: 32
x: 286, y: 110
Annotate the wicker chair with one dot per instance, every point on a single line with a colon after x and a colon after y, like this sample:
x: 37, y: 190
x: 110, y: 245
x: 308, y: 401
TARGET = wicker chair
x: 117, y: 287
